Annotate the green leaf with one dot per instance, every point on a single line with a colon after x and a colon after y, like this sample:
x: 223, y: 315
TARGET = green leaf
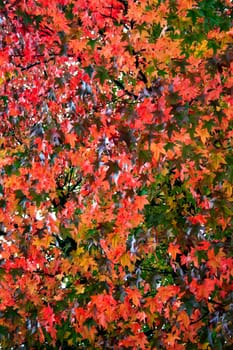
x: 101, y: 74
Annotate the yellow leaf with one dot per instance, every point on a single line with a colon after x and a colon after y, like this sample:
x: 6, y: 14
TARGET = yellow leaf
x: 80, y: 288
x: 171, y: 203
x: 216, y: 160
x: 43, y: 242
x: 67, y: 335
x: 79, y: 251
x: 202, y: 133
x: 227, y: 187
x: 126, y: 261
x: 115, y: 240
x: 205, y: 346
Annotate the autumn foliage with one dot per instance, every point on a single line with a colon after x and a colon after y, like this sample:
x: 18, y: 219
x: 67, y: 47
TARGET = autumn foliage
x: 116, y: 202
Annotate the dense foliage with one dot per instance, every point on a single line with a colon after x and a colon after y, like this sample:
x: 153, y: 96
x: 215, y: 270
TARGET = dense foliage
x: 116, y: 138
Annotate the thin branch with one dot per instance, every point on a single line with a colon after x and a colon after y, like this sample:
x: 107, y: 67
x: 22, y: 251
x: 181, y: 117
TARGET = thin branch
x: 35, y: 64
x: 75, y: 185
x: 121, y: 86
x: 17, y: 139
x: 200, y: 318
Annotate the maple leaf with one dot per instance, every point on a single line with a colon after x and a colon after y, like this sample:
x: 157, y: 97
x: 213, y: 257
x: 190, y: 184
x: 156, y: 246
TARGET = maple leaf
x: 183, y: 317
x: 164, y: 294
x: 204, y: 245
x: 48, y: 320
x: 202, y: 133
x: 215, y: 260
x: 140, y: 202
x: 134, y: 295
x: 173, y: 250
x: 134, y: 341
x: 171, y: 339
x: 198, y: 219
x: 43, y: 242
x: 157, y: 150
x: 203, y: 291
x: 71, y: 139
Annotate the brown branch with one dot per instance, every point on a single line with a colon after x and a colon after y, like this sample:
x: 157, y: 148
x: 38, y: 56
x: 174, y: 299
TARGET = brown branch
x: 200, y: 318
x: 35, y: 63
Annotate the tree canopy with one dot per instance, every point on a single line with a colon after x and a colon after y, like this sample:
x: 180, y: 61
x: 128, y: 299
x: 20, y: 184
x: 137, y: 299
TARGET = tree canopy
x: 116, y: 203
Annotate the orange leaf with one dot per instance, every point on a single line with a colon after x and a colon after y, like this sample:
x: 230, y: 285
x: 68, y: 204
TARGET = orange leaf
x: 71, y: 139
x: 134, y: 295
x: 157, y: 149
x: 173, y: 250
